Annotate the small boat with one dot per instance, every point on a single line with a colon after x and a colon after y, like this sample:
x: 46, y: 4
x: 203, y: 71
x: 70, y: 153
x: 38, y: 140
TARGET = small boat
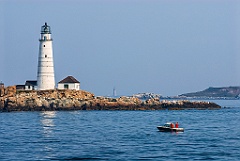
x: 167, y: 128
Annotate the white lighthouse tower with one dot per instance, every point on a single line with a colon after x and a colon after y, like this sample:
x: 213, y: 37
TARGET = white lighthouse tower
x: 45, y: 75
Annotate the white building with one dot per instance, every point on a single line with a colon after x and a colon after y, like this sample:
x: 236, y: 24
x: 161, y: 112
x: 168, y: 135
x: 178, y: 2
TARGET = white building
x: 45, y: 75
x: 69, y: 83
x: 30, y: 85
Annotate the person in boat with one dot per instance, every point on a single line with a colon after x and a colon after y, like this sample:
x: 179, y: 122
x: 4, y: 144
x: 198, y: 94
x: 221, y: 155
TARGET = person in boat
x: 176, y: 125
x: 171, y: 125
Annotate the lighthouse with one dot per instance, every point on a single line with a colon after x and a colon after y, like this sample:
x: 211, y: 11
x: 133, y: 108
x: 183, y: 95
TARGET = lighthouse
x: 45, y: 74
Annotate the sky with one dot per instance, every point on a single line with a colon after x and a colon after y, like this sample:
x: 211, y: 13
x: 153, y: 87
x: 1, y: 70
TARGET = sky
x: 167, y: 47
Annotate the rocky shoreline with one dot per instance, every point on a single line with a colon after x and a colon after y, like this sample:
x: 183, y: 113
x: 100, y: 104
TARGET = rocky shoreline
x: 57, y: 100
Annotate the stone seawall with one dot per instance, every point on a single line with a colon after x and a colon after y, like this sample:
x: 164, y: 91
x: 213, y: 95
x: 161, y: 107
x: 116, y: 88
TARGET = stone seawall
x: 51, y: 100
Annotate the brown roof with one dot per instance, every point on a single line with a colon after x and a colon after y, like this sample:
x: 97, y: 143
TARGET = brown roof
x: 69, y: 79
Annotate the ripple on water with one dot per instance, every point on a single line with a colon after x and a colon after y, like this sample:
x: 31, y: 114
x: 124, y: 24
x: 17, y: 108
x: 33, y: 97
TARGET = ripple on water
x: 120, y: 135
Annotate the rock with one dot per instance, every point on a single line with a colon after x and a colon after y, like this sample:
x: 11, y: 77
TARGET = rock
x: 145, y: 96
x: 10, y: 91
x: 50, y: 100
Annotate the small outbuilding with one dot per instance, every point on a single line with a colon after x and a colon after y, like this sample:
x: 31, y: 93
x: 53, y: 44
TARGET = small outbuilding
x: 1, y: 89
x: 20, y: 87
x: 30, y: 85
x: 1, y: 84
x: 69, y: 83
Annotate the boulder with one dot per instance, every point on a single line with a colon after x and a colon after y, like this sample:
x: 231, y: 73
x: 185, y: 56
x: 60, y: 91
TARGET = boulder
x: 10, y: 91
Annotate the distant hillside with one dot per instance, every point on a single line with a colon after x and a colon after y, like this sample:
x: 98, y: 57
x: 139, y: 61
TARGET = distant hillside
x: 215, y: 92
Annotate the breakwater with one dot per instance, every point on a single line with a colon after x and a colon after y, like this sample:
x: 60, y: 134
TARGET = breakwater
x: 56, y: 100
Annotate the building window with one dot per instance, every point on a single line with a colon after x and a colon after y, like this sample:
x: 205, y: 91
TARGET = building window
x: 65, y: 86
x: 45, y: 56
x: 43, y: 45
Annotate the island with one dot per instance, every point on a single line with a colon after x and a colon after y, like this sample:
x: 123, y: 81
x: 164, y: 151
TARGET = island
x: 57, y: 100
x: 232, y: 92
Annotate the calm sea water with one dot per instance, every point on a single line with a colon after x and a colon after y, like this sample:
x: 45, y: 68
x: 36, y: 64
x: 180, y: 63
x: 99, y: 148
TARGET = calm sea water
x: 121, y: 135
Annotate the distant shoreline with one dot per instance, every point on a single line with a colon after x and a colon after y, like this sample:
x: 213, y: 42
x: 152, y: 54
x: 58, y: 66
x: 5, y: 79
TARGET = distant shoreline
x: 200, y: 98
x: 211, y: 93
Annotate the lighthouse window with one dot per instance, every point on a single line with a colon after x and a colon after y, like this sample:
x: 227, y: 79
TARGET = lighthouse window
x: 45, y: 56
x: 43, y: 45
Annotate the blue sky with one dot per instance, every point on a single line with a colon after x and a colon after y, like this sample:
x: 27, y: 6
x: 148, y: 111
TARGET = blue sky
x: 167, y: 47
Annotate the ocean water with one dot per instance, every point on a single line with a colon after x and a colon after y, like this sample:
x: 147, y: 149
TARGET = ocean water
x: 121, y: 135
